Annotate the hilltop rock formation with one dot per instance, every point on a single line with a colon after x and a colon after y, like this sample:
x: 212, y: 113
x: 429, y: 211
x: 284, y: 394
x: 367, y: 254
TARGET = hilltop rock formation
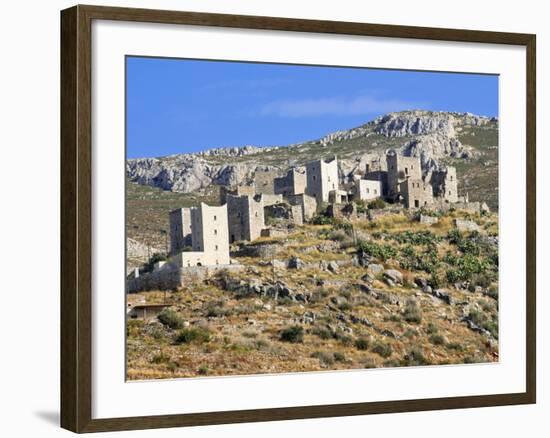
x: 428, y: 135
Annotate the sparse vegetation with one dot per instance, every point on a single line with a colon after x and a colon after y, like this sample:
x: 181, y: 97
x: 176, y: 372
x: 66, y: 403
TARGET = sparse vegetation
x: 362, y: 344
x: 383, y: 349
x: 294, y: 334
x: 233, y: 332
x: 170, y: 318
x: 192, y: 335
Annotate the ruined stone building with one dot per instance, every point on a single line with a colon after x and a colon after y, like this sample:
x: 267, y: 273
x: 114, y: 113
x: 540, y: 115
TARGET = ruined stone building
x: 416, y: 193
x: 322, y: 178
x: 209, y: 237
x: 245, y: 217
x: 293, y: 183
x: 269, y: 199
x: 366, y: 190
x: 445, y: 185
x: 401, y: 168
x: 239, y: 190
x: 307, y: 203
x: 338, y: 196
x: 180, y: 229
x: 264, y: 180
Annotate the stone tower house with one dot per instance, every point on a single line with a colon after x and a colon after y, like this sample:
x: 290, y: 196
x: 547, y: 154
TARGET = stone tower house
x: 245, y: 217
x: 210, y: 234
x: 445, y: 184
x: 322, y: 178
x: 264, y: 180
x: 416, y: 193
x: 180, y: 229
x: 293, y: 183
x: 401, y: 168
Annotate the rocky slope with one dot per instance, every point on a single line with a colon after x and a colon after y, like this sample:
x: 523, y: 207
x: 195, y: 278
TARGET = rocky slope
x: 435, y: 137
x: 391, y: 292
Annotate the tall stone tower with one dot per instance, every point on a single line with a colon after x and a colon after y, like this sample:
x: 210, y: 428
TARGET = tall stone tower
x: 210, y: 233
x: 180, y: 229
x: 322, y: 178
x: 401, y: 168
x: 245, y: 217
x: 445, y: 184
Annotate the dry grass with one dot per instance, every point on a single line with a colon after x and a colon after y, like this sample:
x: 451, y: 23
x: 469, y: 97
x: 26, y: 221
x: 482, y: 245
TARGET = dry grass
x: 245, y: 333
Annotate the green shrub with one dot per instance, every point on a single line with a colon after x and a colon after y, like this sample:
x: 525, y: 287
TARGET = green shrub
x: 454, y: 346
x: 384, y: 350
x: 216, y: 309
x: 170, y: 318
x: 339, y: 357
x: 412, y: 312
x: 437, y: 340
x: 321, y: 219
x: 193, y: 335
x: 410, y: 333
x: 362, y: 343
x: 326, y: 358
x: 376, y: 204
x: 160, y: 358
x: 425, y: 237
x: 415, y: 357
x: 293, y: 334
x: 492, y: 292
x: 133, y: 327
x: 361, y: 206
x: 432, y: 329
x: 489, y: 323
x: 338, y: 235
x: 435, y: 281
x: 379, y: 251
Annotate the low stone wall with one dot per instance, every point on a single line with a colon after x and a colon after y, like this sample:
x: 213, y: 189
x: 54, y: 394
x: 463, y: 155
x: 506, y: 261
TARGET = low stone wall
x: 376, y: 213
x: 172, y: 277
x: 261, y: 250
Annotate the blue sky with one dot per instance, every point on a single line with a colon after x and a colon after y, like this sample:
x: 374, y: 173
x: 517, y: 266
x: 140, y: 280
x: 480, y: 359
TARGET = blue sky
x: 179, y: 106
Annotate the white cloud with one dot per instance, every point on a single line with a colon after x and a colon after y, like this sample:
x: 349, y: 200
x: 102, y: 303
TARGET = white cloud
x: 335, y: 106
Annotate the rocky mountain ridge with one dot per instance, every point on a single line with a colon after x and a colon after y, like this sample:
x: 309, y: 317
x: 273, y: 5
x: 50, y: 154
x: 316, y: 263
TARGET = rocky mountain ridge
x: 435, y: 137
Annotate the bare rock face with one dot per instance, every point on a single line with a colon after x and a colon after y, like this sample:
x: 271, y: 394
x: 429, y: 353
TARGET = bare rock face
x: 428, y: 135
x: 187, y: 173
x: 415, y: 123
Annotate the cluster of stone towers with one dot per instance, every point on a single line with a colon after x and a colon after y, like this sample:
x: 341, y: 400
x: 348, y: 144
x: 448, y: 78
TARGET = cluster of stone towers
x: 407, y: 183
x: 200, y: 236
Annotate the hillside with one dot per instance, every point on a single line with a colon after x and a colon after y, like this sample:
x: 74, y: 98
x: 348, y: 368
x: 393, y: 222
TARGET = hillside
x: 158, y: 185
x: 382, y: 293
x: 464, y: 140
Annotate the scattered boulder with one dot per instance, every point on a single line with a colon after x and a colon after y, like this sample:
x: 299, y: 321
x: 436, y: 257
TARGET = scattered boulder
x: 444, y: 296
x: 363, y: 287
x: 375, y: 269
x: 359, y: 320
x: 421, y: 282
x: 368, y: 278
x: 295, y: 263
x: 466, y: 225
x: 428, y: 220
x: 363, y: 259
x: 394, y: 276
x: 332, y: 267
x: 387, y: 298
x: 339, y: 301
x: 278, y: 264
x: 308, y: 318
x: 389, y: 282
